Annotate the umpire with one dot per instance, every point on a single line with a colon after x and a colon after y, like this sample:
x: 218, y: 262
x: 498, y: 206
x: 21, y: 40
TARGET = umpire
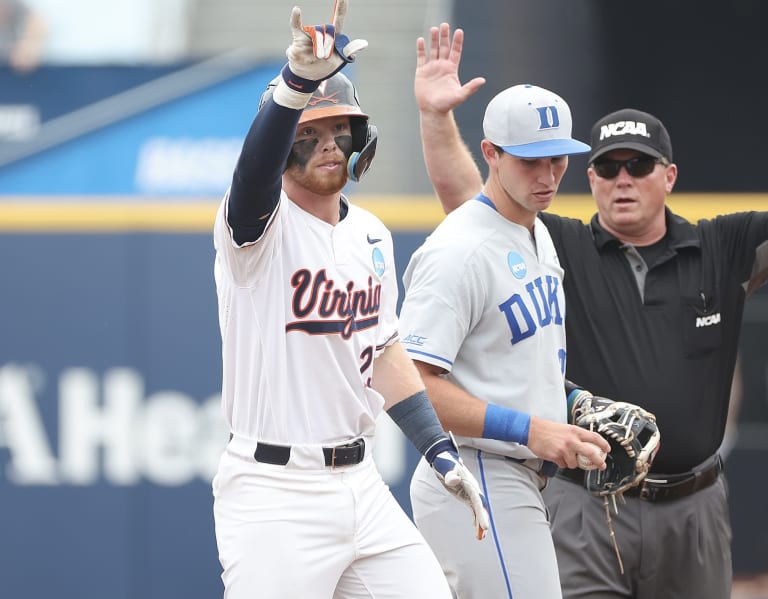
x: 654, y: 313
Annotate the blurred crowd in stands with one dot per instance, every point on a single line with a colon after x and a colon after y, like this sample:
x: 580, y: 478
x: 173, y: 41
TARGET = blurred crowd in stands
x: 36, y: 32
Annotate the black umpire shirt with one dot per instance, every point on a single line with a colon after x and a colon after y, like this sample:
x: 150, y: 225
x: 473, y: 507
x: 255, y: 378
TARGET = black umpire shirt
x: 662, y: 336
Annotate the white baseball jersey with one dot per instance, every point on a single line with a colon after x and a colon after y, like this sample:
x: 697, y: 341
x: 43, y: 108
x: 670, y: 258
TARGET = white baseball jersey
x: 484, y: 300
x: 314, y: 304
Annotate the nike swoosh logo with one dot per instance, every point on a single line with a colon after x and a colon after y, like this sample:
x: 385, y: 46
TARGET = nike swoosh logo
x: 373, y: 239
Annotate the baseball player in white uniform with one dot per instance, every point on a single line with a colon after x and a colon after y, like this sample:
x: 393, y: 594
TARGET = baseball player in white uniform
x: 307, y: 295
x: 483, y: 317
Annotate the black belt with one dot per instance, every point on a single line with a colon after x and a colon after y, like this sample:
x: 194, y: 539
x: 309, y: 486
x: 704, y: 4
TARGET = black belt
x: 339, y: 455
x: 664, y: 487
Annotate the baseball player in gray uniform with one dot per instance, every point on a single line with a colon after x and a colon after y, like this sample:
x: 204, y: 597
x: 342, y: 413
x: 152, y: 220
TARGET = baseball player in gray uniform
x: 483, y: 317
x: 307, y: 296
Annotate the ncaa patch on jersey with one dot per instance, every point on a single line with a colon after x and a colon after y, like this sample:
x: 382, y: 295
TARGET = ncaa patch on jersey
x: 516, y: 265
x: 378, y: 261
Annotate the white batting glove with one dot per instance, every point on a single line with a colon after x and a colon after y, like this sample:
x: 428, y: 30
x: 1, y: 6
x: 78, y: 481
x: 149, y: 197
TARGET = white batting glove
x: 320, y: 51
x: 459, y: 481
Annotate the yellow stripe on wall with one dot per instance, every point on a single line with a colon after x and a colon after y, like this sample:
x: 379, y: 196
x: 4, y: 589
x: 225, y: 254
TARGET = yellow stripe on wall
x: 400, y: 213
x: 105, y: 215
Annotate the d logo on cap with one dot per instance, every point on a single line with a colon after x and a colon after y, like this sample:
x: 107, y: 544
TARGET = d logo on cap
x: 544, y: 114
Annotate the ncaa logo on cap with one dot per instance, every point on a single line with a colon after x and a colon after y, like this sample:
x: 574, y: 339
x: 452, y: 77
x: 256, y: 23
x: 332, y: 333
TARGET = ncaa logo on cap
x: 631, y: 129
x: 623, y: 128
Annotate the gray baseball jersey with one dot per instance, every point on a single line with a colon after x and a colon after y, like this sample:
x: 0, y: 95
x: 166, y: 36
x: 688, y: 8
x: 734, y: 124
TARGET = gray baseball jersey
x: 484, y: 300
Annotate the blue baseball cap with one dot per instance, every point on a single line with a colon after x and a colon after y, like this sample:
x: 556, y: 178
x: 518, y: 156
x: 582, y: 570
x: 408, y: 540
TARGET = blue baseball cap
x: 528, y: 121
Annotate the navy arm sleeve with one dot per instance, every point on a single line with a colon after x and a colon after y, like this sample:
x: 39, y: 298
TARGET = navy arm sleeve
x: 257, y: 180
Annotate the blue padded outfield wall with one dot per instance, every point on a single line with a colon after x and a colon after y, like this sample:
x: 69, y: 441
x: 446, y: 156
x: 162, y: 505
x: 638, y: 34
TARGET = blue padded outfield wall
x: 110, y: 427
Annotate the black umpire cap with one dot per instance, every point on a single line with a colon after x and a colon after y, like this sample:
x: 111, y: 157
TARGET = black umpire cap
x: 630, y: 129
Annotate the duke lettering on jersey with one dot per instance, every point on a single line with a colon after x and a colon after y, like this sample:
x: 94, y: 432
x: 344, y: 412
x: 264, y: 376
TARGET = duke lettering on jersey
x: 319, y: 296
x: 542, y: 299
x: 623, y: 128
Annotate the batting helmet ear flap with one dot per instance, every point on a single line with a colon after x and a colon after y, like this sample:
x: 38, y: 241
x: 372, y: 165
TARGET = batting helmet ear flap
x: 361, y: 134
x: 360, y: 161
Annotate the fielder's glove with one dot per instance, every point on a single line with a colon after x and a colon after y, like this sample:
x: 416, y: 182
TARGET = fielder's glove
x: 444, y: 458
x: 318, y: 51
x: 634, y: 437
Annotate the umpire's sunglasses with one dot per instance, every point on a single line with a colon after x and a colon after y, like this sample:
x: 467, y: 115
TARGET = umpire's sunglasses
x: 641, y: 166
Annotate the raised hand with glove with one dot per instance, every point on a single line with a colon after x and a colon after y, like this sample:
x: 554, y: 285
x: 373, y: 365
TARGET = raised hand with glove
x: 316, y: 53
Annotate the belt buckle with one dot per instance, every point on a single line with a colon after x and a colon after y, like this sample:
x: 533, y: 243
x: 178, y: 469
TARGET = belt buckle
x: 647, y: 493
x: 358, y: 444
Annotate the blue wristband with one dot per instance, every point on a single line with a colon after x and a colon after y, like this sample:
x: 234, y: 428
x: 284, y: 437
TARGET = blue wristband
x: 504, y: 424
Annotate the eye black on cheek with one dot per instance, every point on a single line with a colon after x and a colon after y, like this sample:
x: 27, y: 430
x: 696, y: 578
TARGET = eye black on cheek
x: 345, y: 144
x: 301, y: 151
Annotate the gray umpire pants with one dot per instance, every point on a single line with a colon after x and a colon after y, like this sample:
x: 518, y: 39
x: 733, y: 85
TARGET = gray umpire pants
x: 679, y: 549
